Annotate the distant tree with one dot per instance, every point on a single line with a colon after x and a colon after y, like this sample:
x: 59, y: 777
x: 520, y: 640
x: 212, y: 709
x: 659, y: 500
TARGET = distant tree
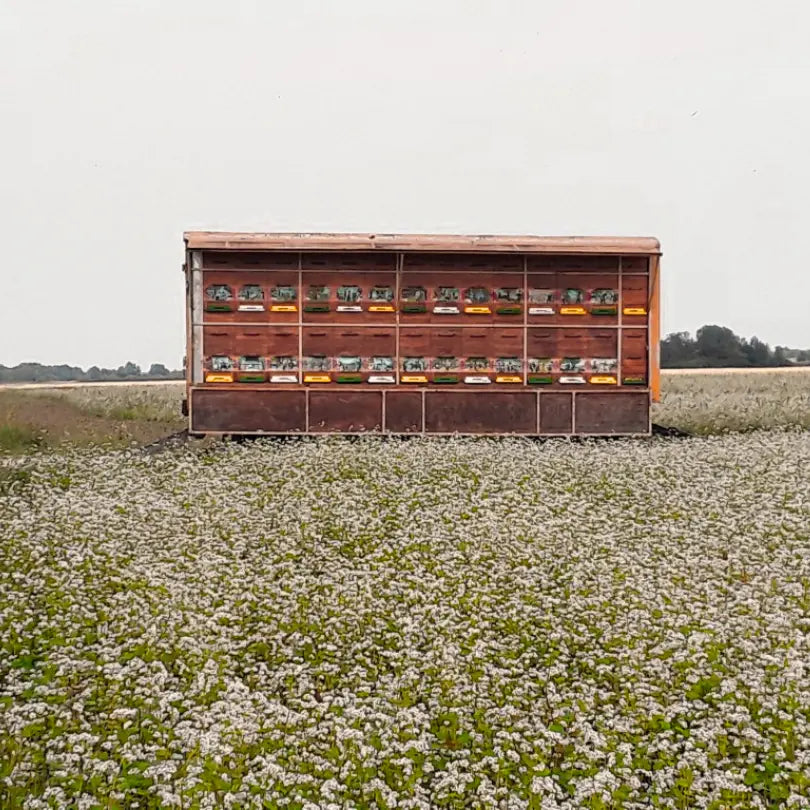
x: 36, y: 372
x: 718, y: 346
x: 128, y: 371
x: 158, y: 370
x: 757, y: 352
x: 66, y: 373
x: 94, y: 374
x: 678, y: 350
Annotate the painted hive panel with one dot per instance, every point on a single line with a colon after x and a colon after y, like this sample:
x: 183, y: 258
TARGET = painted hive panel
x: 250, y: 354
x: 635, y: 300
x: 348, y: 287
x: 349, y: 354
x: 572, y: 289
x: 244, y: 296
x: 340, y: 324
x: 634, y: 357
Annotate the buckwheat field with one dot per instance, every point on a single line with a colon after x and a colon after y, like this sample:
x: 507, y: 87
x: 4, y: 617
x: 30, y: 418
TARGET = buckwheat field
x: 468, y: 623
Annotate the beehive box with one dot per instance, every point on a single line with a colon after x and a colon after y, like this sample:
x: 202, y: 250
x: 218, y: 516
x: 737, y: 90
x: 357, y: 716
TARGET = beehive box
x: 353, y: 333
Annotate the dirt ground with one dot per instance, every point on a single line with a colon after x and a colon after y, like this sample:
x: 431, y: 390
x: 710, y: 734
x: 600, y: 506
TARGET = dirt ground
x: 43, y: 420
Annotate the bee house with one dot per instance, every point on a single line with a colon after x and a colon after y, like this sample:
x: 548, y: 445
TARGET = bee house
x: 356, y: 333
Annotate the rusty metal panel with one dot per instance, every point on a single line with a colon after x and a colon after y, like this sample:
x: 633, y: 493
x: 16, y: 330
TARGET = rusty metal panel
x: 556, y: 413
x: 249, y: 411
x: 403, y: 411
x: 349, y: 412
x: 213, y: 240
x: 480, y: 412
x: 614, y: 412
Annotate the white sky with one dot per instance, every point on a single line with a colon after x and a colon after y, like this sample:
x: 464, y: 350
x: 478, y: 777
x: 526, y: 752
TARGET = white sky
x: 125, y: 123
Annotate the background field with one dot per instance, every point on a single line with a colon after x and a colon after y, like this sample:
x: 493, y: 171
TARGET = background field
x: 467, y: 623
x: 710, y: 401
x: 721, y: 401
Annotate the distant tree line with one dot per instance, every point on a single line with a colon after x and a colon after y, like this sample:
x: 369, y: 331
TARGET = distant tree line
x: 718, y: 347
x: 36, y: 372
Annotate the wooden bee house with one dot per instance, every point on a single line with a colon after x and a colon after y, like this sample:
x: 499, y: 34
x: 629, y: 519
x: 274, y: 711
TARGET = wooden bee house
x: 359, y: 333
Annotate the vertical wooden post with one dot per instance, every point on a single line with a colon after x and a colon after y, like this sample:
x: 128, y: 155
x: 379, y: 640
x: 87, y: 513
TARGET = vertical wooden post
x: 301, y: 300
x: 654, y: 310
x: 619, y: 327
x: 197, y: 348
x: 399, y: 264
x: 525, y: 360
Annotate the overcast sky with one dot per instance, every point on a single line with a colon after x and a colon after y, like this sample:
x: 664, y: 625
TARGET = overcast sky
x: 125, y: 123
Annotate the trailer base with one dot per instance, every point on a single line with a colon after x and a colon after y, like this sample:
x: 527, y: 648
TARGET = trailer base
x: 424, y: 411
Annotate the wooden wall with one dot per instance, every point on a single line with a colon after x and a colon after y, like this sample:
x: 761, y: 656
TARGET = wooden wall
x: 419, y: 342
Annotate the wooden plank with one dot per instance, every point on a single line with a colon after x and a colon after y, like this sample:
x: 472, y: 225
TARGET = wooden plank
x: 226, y: 240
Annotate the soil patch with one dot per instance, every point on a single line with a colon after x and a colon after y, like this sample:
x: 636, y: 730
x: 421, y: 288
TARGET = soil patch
x: 38, y: 420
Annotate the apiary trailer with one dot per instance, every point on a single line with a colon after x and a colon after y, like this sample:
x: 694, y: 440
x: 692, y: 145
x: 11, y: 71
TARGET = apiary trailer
x: 421, y: 334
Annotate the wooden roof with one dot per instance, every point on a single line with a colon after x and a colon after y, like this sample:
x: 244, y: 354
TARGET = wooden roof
x: 226, y: 240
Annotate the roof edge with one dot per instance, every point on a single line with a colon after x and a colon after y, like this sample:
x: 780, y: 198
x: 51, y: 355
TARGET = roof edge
x: 233, y: 240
